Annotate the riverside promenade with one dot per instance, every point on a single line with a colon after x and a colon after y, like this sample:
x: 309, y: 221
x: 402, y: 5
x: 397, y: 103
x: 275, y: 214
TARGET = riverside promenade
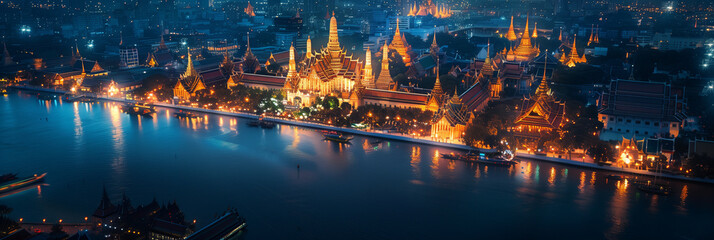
x: 397, y: 137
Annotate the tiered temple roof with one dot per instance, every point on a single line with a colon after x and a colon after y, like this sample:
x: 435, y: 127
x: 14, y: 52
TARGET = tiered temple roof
x: 541, y: 112
x: 650, y: 100
x: 250, y: 63
x: 189, y: 82
x: 105, y: 208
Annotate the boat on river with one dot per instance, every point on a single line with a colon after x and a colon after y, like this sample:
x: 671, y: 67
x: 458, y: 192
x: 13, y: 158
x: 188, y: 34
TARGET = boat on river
x: 7, y: 177
x: 182, y: 114
x: 337, y: 137
x: 46, y: 97
x: 77, y: 98
x: 455, y: 156
x: 504, y: 158
x: 267, y: 124
x: 138, y: 108
x: 18, y: 183
x: 654, y: 188
x: 495, y: 160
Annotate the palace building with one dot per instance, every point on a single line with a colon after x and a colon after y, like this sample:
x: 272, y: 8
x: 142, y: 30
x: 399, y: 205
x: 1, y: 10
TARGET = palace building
x: 641, y: 109
x: 540, y: 114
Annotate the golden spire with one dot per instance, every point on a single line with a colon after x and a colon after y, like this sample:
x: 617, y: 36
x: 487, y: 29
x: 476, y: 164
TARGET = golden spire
x: 437, y: 90
x: 560, y: 37
x: 487, y: 66
x: 76, y: 47
x: 592, y: 33
x: 162, y: 44
x: 574, y: 50
x: 434, y: 49
x: 511, y: 35
x: 597, y: 34
x: 368, y: 77
x: 455, y: 98
x: 526, y: 32
x: 308, y: 53
x: 291, y: 67
x: 247, y: 45
x: 543, y: 86
x: 190, y: 70
x: 384, y: 79
x: 81, y: 60
x: 333, y: 43
x: 396, y: 32
x: 535, y: 30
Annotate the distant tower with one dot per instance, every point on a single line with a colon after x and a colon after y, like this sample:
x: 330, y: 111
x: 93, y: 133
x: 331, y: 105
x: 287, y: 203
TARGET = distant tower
x: 434, y: 49
x: 592, y: 34
x: 128, y: 55
x: 308, y: 51
x: 384, y: 79
x: 535, y: 31
x: 7, y: 59
x: 368, y: 76
x: 293, y: 78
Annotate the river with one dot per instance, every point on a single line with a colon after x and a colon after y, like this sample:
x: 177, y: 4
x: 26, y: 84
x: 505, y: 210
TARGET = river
x: 389, y: 190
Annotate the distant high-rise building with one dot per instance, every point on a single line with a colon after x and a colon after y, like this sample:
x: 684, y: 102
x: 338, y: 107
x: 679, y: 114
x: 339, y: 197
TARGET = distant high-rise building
x: 128, y: 56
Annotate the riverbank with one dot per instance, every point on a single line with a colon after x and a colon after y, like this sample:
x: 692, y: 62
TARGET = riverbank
x: 396, y: 137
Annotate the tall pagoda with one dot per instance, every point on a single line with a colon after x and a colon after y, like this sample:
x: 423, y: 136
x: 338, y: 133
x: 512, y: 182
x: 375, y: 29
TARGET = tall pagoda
x: 399, y: 44
x: 384, y: 80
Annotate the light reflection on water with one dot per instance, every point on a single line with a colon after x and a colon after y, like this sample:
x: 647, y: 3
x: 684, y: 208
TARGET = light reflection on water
x: 210, y: 163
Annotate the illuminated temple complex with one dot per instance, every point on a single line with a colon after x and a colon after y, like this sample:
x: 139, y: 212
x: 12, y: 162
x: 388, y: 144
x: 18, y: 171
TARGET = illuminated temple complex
x: 430, y: 8
x: 330, y: 71
x: 524, y: 51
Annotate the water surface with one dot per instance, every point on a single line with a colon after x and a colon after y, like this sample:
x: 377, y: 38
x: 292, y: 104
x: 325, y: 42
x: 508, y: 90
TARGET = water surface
x: 392, y: 190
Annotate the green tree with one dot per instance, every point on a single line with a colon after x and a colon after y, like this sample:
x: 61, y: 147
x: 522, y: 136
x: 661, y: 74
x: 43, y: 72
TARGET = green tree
x: 7, y: 225
x: 601, y: 152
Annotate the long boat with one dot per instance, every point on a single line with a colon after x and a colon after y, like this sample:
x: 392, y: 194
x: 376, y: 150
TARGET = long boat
x: 182, y: 114
x: 337, y: 137
x: 20, y: 183
x: 138, y: 108
x: 504, y: 158
x: 655, y: 188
